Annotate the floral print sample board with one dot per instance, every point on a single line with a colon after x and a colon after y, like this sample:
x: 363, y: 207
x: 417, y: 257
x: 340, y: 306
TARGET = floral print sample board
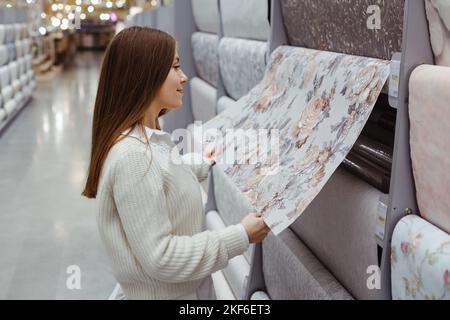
x: 311, y: 106
x: 420, y: 261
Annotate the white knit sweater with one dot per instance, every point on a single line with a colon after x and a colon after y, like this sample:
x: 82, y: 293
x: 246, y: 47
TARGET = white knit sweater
x: 150, y: 218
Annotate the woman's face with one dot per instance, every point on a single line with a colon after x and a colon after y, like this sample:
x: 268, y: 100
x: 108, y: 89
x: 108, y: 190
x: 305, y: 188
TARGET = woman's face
x: 171, y: 93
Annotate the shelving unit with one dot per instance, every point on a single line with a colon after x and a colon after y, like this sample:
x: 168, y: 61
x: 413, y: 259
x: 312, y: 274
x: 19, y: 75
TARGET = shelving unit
x: 10, y: 16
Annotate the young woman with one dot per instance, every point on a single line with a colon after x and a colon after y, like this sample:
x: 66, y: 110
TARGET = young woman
x: 150, y: 212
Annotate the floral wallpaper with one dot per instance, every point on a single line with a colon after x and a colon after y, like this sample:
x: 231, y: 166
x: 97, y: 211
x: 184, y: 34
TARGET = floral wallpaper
x: 420, y: 261
x: 204, y: 50
x: 312, y: 105
x: 242, y: 64
x: 359, y: 27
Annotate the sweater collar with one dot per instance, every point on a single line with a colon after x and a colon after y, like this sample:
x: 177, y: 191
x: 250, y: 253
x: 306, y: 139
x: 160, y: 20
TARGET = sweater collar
x: 152, y: 134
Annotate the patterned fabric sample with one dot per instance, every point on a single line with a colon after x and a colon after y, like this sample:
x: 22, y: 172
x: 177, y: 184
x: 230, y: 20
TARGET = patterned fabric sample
x: 438, y: 14
x: 359, y: 27
x: 429, y: 111
x: 204, y: 50
x: 315, y: 104
x: 206, y: 15
x: 420, y: 261
x: 245, y: 19
x: 242, y: 64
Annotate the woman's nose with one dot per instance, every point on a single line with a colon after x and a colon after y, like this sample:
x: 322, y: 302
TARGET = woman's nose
x: 184, y: 78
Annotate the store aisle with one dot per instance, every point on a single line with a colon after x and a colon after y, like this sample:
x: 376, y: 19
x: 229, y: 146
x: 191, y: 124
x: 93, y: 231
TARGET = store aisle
x: 45, y: 224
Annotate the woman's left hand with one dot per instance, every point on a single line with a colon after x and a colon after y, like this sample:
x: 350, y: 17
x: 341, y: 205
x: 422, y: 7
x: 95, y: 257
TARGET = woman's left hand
x: 210, y: 153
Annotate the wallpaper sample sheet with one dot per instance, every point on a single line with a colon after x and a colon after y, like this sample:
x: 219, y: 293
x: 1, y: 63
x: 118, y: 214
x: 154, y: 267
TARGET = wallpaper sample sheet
x: 281, y: 142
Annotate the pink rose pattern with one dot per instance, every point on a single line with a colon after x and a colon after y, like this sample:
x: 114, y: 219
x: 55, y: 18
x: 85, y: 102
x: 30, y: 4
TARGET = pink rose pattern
x: 319, y: 102
x: 420, y: 260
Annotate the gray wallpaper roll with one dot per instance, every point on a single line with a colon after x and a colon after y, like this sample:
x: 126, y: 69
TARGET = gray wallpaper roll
x: 342, y: 26
x: 204, y: 50
x: 245, y: 19
x: 206, y: 15
x: 242, y: 64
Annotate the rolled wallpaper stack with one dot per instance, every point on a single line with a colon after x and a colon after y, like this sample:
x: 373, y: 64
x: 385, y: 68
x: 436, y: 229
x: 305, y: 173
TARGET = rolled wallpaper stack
x: 204, y: 49
x: 16, y: 74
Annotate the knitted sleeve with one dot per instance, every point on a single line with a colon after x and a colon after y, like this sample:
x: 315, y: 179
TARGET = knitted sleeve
x: 199, y: 165
x: 138, y: 190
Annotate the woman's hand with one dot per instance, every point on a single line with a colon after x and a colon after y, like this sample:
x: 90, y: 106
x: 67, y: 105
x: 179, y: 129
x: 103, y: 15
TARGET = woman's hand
x: 255, y: 226
x: 210, y: 153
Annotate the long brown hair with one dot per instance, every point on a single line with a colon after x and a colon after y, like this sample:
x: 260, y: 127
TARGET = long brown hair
x: 134, y: 67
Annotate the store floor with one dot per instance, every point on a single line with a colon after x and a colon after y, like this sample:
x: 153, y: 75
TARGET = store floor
x: 45, y: 225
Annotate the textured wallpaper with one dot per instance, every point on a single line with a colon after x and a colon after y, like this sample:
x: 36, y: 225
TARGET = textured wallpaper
x: 359, y: 27
x: 242, y: 64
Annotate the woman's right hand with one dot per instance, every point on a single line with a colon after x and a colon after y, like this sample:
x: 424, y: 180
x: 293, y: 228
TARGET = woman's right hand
x: 255, y: 226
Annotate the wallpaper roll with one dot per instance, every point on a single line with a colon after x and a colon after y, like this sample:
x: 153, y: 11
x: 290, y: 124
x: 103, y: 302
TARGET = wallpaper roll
x: 2, y: 114
x: 11, y: 51
x: 242, y: 64
x: 247, y: 19
x: 367, y: 171
x: 203, y: 100
x: 204, y: 50
x: 18, y: 98
x: 29, y: 62
x: 378, y: 133
x: 9, y: 33
x: 23, y: 80
x: 260, y: 295
x: 206, y: 15
x: 7, y: 93
x: 438, y: 14
x: 14, y: 70
x: 19, y: 50
x: 4, y: 76
x: 374, y: 151
x: 420, y: 261
x: 429, y: 110
x: 224, y: 103
x: 354, y: 27
x: 10, y: 107
x: 238, y: 268
x: 311, y: 106
x: 16, y: 85
x: 3, y: 55
x: 2, y: 33
x: 17, y: 31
